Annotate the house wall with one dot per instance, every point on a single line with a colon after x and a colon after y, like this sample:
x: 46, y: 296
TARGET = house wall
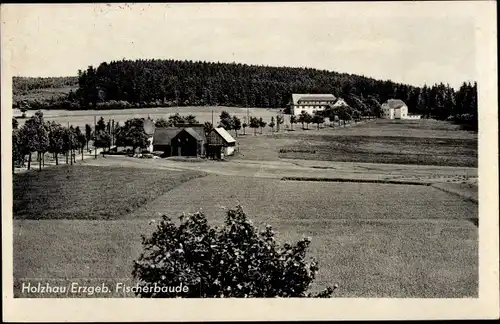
x: 214, y: 138
x: 229, y: 150
x: 185, y: 145
x: 401, y: 113
x: 310, y: 109
x: 387, y: 112
x: 149, y: 147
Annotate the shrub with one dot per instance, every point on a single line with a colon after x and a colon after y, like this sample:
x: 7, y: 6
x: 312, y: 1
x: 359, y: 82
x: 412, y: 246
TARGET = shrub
x: 234, y: 260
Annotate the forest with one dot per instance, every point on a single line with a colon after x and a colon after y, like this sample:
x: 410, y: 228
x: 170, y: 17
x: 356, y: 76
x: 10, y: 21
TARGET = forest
x: 161, y: 83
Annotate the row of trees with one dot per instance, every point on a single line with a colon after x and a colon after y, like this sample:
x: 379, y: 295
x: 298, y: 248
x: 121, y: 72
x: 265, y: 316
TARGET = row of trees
x: 39, y: 136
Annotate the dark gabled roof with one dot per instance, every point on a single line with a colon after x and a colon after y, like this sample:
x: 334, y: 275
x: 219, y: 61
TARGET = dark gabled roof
x: 192, y: 133
x: 164, y: 135
x: 296, y: 97
x: 198, y: 128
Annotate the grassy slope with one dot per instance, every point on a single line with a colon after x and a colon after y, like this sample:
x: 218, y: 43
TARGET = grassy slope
x: 421, y: 244
x: 371, y: 245
x: 88, y: 192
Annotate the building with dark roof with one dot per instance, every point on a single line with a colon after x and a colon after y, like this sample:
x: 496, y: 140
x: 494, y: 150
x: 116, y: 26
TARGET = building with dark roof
x: 310, y: 103
x: 180, y: 140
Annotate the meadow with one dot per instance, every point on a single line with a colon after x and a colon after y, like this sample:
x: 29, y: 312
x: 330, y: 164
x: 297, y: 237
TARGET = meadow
x: 202, y: 113
x: 421, y: 242
x: 89, y: 192
x: 423, y: 142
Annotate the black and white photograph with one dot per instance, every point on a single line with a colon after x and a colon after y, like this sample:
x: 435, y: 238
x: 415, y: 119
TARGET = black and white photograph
x: 313, y: 152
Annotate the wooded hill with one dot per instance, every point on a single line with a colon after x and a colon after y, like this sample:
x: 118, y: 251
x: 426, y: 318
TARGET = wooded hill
x: 156, y: 83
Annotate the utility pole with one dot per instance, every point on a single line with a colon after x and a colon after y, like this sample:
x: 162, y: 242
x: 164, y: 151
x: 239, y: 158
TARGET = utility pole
x: 213, y: 119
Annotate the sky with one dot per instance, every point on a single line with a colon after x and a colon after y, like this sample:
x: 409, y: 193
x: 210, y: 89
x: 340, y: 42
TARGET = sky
x: 410, y: 42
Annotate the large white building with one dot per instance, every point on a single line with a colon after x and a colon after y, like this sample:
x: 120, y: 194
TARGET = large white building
x: 396, y: 109
x: 311, y: 103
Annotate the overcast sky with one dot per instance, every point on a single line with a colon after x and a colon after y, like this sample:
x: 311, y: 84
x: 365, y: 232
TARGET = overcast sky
x: 408, y: 42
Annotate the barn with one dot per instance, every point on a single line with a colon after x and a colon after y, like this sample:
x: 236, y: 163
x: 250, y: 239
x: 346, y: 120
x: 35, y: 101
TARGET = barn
x: 180, y: 140
x: 187, y: 142
x: 162, y: 139
x: 220, y: 143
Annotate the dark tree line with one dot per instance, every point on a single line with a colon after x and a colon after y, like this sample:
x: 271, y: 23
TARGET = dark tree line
x: 156, y: 83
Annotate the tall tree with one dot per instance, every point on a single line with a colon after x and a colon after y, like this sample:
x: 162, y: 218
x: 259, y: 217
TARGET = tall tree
x: 236, y: 124
x: 254, y: 123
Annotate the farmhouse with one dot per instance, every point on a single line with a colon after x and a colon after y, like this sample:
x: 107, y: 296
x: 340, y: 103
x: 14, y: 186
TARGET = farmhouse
x: 220, y: 143
x: 396, y: 109
x: 311, y: 103
x: 180, y: 140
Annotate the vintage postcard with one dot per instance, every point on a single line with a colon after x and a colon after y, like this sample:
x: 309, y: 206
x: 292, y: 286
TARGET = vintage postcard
x: 249, y: 161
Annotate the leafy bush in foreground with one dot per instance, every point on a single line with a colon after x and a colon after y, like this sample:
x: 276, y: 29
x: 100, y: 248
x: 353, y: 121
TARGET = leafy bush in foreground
x: 232, y: 261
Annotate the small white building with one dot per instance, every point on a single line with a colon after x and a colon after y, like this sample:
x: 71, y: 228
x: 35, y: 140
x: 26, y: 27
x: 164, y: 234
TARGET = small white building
x: 220, y: 139
x: 396, y: 109
x: 149, y: 129
x: 310, y: 103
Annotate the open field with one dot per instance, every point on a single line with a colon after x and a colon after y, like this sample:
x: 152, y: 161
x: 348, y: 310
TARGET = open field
x: 203, y: 114
x: 423, y: 142
x: 419, y: 243
x: 89, y: 192
x: 43, y: 94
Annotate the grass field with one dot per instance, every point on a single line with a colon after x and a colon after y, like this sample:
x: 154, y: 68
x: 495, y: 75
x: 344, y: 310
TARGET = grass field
x: 43, y: 94
x: 203, y: 114
x: 374, y: 240
x: 423, y: 142
x: 89, y: 192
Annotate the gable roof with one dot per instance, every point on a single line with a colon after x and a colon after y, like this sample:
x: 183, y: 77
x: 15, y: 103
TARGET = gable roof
x: 308, y: 96
x: 191, y: 132
x: 395, y: 103
x: 164, y: 135
x: 340, y: 102
x: 224, y: 134
x: 198, y: 128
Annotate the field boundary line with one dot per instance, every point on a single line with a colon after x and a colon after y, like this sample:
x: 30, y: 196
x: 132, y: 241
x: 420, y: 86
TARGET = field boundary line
x: 355, y: 180
x: 456, y: 193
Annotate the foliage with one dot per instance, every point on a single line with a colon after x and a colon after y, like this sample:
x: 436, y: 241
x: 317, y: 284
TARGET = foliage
x: 279, y: 121
x: 34, y: 136
x: 272, y: 124
x: 162, y: 122
x: 236, y: 123
x: 233, y: 261
x: 254, y: 123
x: 132, y: 134
x: 293, y: 120
x: 262, y: 124
x: 15, y: 123
x: 23, y: 84
x: 207, y: 126
x: 154, y: 83
x: 57, y: 140
x: 17, y: 154
x: 226, y: 121
x: 318, y: 119
x: 304, y: 118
